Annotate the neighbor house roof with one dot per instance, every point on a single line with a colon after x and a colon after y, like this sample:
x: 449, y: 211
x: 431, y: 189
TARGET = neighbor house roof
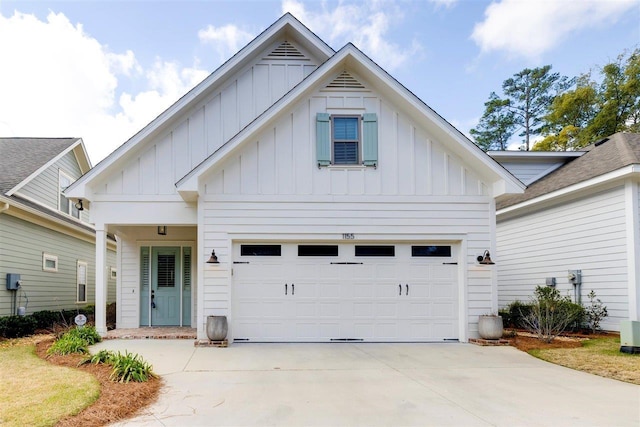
x: 602, y: 157
x: 21, y: 157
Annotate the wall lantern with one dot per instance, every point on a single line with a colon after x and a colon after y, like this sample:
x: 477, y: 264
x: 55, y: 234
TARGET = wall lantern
x: 213, y: 259
x: 485, y: 259
x: 79, y: 205
x: 162, y: 230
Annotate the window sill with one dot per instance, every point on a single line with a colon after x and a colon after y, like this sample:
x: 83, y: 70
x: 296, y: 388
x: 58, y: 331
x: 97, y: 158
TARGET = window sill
x: 348, y: 167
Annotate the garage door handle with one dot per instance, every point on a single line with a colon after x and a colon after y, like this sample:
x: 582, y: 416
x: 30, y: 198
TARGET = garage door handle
x: 293, y: 289
x: 400, y: 290
x: 285, y: 288
x: 407, y: 289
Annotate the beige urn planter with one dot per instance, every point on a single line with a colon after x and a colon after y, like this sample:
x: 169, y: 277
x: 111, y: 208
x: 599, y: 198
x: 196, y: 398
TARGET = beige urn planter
x: 490, y: 327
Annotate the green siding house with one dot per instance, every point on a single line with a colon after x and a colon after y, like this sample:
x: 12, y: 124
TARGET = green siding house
x: 45, y: 240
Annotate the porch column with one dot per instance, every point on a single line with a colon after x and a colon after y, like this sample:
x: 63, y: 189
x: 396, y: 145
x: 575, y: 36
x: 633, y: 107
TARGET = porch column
x: 101, y: 280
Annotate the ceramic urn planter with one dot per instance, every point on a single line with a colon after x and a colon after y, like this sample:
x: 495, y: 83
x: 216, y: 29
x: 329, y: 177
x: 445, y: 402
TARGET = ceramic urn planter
x: 490, y: 327
x: 217, y: 328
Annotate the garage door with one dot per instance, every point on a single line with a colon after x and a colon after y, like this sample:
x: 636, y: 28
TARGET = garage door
x: 309, y: 292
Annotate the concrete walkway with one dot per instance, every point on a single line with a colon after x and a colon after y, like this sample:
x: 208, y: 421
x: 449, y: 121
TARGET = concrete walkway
x: 373, y: 385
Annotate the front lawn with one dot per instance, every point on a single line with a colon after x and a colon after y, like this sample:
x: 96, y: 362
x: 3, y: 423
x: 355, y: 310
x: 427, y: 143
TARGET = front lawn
x: 36, y: 393
x: 599, y: 356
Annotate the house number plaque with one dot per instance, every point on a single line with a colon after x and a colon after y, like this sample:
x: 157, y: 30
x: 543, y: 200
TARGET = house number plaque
x: 348, y: 236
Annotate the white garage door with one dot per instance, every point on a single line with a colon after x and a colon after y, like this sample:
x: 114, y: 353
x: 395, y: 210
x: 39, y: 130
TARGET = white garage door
x: 309, y: 292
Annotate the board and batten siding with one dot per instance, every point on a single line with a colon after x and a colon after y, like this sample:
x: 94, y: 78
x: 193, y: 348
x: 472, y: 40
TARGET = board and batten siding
x: 281, y: 160
x: 44, y: 187
x: 21, y: 249
x: 194, y: 136
x: 464, y: 220
x: 587, y: 234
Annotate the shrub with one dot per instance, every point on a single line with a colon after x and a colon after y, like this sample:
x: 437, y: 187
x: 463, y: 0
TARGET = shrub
x: 514, y: 313
x: 103, y: 356
x: 46, y: 319
x: 130, y: 367
x: 551, y: 313
x: 86, y: 333
x: 595, y: 312
x: 69, y: 344
x: 17, y: 326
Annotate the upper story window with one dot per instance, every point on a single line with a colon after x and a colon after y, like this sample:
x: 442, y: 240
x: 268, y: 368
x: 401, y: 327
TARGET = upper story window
x: 65, y: 205
x: 345, y: 140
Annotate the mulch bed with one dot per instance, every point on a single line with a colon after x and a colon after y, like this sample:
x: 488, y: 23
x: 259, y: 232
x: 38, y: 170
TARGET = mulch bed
x: 526, y: 341
x: 117, y: 401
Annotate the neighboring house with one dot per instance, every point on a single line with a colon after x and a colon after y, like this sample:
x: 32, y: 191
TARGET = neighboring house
x: 338, y: 204
x: 583, y: 216
x: 44, y: 238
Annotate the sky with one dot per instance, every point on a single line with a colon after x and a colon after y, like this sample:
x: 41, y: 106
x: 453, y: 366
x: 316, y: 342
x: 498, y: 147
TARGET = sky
x: 102, y: 70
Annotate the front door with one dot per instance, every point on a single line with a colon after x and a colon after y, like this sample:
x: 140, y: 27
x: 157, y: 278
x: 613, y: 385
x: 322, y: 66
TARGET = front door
x: 165, y: 286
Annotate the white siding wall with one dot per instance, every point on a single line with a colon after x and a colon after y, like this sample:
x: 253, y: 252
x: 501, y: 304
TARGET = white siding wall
x: 195, y: 136
x: 131, y: 239
x: 282, y: 159
x: 587, y: 234
x: 326, y: 218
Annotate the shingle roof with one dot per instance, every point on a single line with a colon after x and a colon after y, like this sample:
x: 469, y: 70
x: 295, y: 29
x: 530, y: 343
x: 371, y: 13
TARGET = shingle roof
x: 20, y: 157
x: 608, y: 155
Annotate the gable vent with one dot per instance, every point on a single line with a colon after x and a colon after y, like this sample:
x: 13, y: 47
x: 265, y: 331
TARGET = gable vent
x: 345, y: 81
x: 286, y: 50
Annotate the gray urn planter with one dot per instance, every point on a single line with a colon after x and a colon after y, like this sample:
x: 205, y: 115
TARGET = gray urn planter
x: 490, y: 327
x: 217, y: 328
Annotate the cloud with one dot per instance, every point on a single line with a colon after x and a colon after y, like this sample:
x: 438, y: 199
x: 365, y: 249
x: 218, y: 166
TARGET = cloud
x: 63, y: 82
x: 226, y: 40
x: 365, y: 24
x: 526, y: 28
x: 443, y: 3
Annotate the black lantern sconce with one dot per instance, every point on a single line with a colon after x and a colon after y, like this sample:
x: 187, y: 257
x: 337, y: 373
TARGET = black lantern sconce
x: 162, y: 230
x: 213, y: 259
x: 78, y: 205
x: 485, y: 259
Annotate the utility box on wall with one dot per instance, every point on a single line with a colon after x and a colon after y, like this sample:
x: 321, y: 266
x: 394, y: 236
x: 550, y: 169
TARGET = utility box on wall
x: 13, y: 281
x: 630, y: 336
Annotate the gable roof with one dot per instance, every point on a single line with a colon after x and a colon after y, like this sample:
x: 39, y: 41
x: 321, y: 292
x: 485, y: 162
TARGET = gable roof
x: 608, y: 155
x: 352, y: 58
x: 287, y: 26
x: 23, y: 158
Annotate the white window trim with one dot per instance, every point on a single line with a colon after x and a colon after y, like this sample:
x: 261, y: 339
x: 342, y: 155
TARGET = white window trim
x: 48, y: 257
x: 71, y: 206
x: 86, y: 279
x: 358, y: 161
x: 113, y: 273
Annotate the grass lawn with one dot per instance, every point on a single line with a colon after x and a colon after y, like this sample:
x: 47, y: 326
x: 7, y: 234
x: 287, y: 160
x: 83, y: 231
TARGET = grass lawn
x: 599, y: 356
x: 36, y: 393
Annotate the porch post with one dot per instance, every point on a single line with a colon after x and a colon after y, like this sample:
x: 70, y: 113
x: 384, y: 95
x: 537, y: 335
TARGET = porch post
x: 101, y: 280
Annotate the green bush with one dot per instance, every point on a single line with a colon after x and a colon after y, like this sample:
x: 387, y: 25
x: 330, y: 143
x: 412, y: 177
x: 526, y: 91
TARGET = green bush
x: 69, y: 344
x: 126, y: 367
x: 551, y: 313
x: 103, y: 356
x: 514, y: 313
x: 17, y: 326
x: 46, y: 319
x: 86, y: 333
x: 595, y: 312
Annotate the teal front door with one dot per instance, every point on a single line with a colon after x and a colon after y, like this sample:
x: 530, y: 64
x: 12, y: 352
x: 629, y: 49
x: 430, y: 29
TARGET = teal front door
x: 165, y: 286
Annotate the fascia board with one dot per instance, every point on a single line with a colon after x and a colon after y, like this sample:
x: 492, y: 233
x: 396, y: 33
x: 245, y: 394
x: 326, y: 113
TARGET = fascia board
x: 286, y: 22
x: 602, y: 179
x: 44, y: 167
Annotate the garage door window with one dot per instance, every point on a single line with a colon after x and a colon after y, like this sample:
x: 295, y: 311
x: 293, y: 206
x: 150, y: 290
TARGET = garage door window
x: 375, y: 250
x: 431, y: 251
x: 260, y: 250
x: 317, y: 250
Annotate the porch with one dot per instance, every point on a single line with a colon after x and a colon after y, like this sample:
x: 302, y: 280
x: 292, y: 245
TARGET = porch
x: 153, y: 333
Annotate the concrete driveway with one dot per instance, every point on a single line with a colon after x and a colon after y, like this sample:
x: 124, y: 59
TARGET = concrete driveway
x: 373, y: 385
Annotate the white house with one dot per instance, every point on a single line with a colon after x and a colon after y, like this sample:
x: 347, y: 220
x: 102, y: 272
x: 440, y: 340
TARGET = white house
x: 582, y: 215
x: 338, y: 204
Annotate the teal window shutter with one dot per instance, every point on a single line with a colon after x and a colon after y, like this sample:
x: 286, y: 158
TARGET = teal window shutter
x: 370, y: 139
x: 323, y: 139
